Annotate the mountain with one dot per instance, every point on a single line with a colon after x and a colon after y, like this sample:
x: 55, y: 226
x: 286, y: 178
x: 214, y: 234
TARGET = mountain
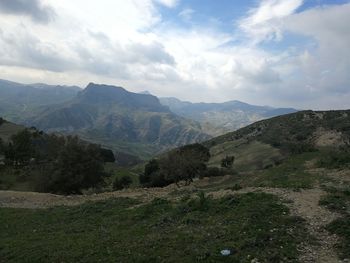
x: 267, y: 142
x: 125, y: 121
x: 19, y: 101
x: 226, y: 116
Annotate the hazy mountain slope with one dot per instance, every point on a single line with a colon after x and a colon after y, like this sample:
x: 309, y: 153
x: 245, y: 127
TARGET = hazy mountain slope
x: 7, y: 129
x: 135, y: 123
x: 268, y: 141
x: 229, y: 115
x: 19, y: 101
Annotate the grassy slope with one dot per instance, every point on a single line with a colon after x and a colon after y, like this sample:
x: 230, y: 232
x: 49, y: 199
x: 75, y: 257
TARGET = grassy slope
x: 338, y: 200
x: 254, y: 225
x: 7, y: 129
x: 249, y: 155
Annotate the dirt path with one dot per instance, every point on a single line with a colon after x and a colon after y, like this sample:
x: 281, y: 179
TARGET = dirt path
x: 305, y: 203
x: 33, y: 200
x: 302, y: 203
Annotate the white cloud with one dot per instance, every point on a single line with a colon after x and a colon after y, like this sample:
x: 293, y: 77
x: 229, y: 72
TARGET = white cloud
x: 128, y: 43
x: 168, y: 3
x: 264, y: 22
x: 186, y: 14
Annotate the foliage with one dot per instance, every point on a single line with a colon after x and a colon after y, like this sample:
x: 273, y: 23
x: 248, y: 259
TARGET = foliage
x: 121, y: 183
x: 78, y: 166
x: 2, y: 147
x: 335, y: 159
x: 20, y: 150
x: 254, y: 225
x: 51, y: 163
x: 184, y: 163
x: 227, y: 162
x: 291, y: 133
x: 107, y: 155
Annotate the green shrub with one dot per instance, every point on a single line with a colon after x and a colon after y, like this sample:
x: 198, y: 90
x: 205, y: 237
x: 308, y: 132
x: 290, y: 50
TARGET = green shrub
x: 123, y: 182
x: 227, y: 162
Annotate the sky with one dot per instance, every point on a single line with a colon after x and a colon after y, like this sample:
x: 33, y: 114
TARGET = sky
x: 284, y: 53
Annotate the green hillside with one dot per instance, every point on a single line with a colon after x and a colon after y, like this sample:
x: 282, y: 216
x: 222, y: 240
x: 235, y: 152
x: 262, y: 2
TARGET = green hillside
x: 267, y: 142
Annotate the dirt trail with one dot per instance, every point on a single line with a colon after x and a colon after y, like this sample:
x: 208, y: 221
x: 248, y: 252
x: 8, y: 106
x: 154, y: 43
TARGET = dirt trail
x: 33, y: 200
x: 303, y: 203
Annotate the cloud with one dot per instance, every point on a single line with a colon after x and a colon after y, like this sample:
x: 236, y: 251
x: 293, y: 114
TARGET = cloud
x: 325, y: 64
x: 264, y: 22
x: 168, y: 3
x: 135, y: 46
x: 34, y: 9
x: 186, y: 14
x: 26, y: 50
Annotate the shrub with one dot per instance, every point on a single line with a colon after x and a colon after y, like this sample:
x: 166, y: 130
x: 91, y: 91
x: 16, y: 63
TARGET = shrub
x: 121, y: 183
x: 227, y: 162
x: 184, y: 163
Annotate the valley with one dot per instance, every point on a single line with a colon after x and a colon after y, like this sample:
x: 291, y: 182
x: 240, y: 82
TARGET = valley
x: 286, y: 193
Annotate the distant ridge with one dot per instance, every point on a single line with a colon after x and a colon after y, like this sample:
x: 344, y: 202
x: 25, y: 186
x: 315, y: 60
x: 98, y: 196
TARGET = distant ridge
x: 230, y: 115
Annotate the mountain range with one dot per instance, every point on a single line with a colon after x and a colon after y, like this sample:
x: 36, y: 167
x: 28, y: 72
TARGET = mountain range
x: 226, y: 116
x: 134, y: 123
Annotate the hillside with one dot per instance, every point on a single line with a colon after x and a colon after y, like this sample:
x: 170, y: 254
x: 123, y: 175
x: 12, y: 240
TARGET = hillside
x: 20, y: 101
x: 287, y: 194
x: 227, y: 116
x: 122, y: 120
x: 266, y: 142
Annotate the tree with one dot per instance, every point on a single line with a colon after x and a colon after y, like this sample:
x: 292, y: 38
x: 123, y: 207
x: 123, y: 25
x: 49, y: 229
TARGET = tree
x: 227, y: 162
x: 121, y: 183
x: 107, y: 155
x: 152, y: 176
x: 184, y: 163
x: 2, y: 147
x: 20, y: 150
x: 78, y: 166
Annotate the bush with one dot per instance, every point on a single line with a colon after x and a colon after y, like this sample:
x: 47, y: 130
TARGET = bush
x: 123, y: 182
x: 227, y: 162
x: 184, y: 163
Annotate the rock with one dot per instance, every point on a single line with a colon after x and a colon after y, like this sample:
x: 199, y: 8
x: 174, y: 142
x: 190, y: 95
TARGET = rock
x: 225, y: 252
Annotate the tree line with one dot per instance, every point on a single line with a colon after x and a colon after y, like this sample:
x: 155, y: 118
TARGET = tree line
x: 56, y: 164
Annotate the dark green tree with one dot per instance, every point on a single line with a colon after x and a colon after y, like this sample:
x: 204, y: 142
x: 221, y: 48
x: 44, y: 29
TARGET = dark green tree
x: 78, y: 166
x: 20, y: 149
x: 182, y: 164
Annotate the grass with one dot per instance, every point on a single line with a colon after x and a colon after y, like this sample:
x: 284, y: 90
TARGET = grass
x: 289, y: 174
x: 254, y: 225
x: 248, y: 155
x: 118, y: 172
x: 338, y: 200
